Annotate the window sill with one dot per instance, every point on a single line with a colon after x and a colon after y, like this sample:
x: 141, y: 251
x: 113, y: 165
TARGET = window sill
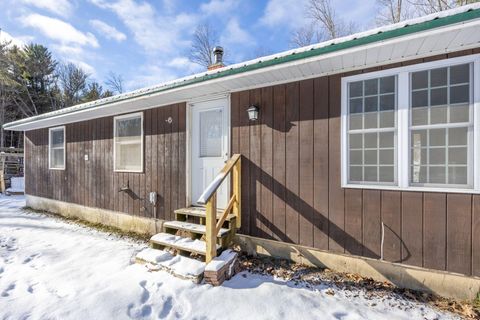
x: 57, y: 168
x: 416, y: 189
x: 128, y: 171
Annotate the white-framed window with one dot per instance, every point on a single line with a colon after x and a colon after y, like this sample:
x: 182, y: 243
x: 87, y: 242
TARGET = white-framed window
x: 56, y: 148
x: 413, y: 128
x: 128, y: 142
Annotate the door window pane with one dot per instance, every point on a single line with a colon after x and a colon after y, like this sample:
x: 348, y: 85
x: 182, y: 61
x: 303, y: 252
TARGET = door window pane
x: 211, y: 129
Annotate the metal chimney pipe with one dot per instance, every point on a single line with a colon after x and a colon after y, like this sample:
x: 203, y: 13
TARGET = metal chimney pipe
x: 218, y: 55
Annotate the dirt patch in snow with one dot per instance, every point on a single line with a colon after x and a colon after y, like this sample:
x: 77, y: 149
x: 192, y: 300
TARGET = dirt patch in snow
x: 354, y: 285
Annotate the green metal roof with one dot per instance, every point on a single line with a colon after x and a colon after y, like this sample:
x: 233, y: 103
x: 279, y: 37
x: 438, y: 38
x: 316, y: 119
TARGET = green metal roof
x: 470, y: 13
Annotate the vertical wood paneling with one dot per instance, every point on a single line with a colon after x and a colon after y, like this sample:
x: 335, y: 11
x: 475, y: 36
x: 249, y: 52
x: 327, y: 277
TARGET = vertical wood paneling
x: 412, y: 225
x: 459, y: 237
x: 353, y: 221
x: 336, y: 193
x: 476, y: 236
x: 371, y: 223
x: 256, y: 223
x: 182, y: 149
x: 266, y: 182
x: 279, y: 128
x: 244, y: 148
x: 434, y: 230
x: 391, y: 217
x: 306, y: 115
x: 291, y: 161
x: 320, y: 164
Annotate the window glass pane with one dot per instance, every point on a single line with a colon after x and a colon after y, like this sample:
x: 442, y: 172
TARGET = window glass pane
x: 387, y: 173
x: 371, y: 120
x: 437, y: 137
x: 459, y: 113
x: 419, y: 138
x: 438, y: 77
x: 386, y: 139
x: 419, y: 116
x: 387, y: 119
x: 420, y: 98
x: 459, y: 94
x: 57, y: 159
x: 371, y: 140
x: 356, y: 157
x: 370, y: 156
x: 457, y: 155
x: 420, y: 80
x: 356, y: 121
x: 419, y: 156
x: 457, y: 175
x: 57, y: 138
x: 211, y: 129
x: 438, y: 96
x: 371, y: 104
x: 387, y: 102
x: 438, y: 115
x: 128, y: 144
x: 356, y: 173
x: 386, y: 156
x: 387, y: 85
x: 436, y: 156
x: 356, y: 141
x: 129, y: 127
x: 371, y: 87
x: 356, y: 89
x: 457, y: 136
x: 371, y: 173
x: 437, y: 174
x: 356, y: 105
x: 460, y: 74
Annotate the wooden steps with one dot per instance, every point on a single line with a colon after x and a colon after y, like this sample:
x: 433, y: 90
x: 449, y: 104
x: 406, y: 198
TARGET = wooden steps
x: 199, y: 212
x: 191, y: 227
x: 167, y: 240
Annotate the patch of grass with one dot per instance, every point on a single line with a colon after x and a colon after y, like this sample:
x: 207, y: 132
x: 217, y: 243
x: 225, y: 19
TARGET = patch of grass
x: 476, y: 302
x: 97, y: 226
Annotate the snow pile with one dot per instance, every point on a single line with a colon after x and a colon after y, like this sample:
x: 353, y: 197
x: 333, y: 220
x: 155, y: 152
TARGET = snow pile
x: 51, y: 269
x: 219, y: 262
x: 17, y: 184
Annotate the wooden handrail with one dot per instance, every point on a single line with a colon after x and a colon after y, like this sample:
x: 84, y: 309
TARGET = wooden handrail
x: 213, y: 186
x: 209, y: 198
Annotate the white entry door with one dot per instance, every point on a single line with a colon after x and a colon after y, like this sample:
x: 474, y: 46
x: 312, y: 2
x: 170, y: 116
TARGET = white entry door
x: 210, y: 147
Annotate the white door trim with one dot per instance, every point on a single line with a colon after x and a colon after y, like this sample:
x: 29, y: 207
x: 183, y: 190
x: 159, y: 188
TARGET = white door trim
x: 188, y: 153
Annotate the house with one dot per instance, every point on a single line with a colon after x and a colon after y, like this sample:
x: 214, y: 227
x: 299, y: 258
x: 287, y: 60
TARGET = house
x: 361, y: 153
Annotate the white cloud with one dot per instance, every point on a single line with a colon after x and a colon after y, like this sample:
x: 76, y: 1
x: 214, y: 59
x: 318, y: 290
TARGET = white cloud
x: 234, y: 34
x: 107, y: 30
x: 60, y: 7
x: 6, y: 37
x: 219, y: 7
x: 59, y: 30
x: 290, y: 13
x: 154, y: 32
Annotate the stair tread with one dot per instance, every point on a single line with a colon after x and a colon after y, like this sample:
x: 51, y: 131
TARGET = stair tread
x: 199, y: 212
x: 193, y: 227
x: 186, y: 244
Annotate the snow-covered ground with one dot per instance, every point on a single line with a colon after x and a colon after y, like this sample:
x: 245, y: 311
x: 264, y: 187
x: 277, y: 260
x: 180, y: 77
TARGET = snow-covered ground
x: 51, y: 269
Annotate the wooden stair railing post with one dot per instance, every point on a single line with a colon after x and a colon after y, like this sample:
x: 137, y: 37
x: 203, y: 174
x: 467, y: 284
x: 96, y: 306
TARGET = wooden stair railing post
x: 237, y: 191
x: 211, y: 234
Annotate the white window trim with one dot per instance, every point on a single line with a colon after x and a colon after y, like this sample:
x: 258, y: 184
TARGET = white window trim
x: 50, y: 147
x: 128, y: 116
x: 403, y: 105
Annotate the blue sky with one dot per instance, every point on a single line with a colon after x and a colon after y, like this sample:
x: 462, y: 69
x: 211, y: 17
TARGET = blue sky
x: 147, y: 42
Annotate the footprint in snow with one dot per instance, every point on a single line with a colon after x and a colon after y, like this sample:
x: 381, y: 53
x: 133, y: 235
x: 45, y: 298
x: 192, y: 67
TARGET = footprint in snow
x: 30, y: 258
x: 143, y: 310
x: 6, y: 292
x: 166, y: 308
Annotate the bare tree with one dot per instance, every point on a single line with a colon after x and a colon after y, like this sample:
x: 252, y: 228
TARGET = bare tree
x: 304, y: 36
x: 431, y: 6
x: 115, y: 82
x: 392, y: 11
x: 324, y: 24
x: 204, y: 40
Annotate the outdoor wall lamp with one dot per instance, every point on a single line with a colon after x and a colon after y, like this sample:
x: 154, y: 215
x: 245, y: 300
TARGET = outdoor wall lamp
x: 252, y: 113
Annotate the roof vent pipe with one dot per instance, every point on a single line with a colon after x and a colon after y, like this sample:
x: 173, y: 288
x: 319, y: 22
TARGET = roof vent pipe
x: 217, y: 58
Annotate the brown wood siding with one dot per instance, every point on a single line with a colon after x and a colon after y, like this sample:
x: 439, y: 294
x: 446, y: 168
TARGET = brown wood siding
x: 292, y: 190
x: 93, y: 183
